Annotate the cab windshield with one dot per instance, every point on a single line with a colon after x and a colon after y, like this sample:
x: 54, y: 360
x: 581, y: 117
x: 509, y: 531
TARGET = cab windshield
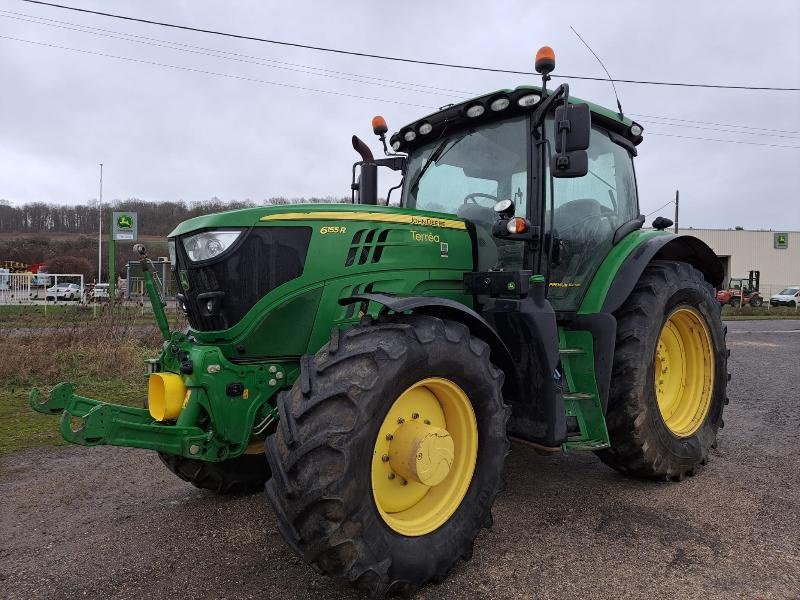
x: 465, y: 174
x: 474, y: 167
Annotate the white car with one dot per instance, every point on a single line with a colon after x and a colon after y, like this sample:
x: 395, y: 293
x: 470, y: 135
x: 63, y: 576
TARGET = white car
x: 99, y: 292
x: 64, y: 291
x: 788, y: 297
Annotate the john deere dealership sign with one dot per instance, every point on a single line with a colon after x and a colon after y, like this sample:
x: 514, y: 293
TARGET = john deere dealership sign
x: 125, y: 226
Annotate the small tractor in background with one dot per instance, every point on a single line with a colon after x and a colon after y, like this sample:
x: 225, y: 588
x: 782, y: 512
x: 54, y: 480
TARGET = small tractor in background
x: 742, y: 291
x: 370, y: 363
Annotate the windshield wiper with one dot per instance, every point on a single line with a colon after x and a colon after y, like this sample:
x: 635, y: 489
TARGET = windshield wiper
x: 437, y: 153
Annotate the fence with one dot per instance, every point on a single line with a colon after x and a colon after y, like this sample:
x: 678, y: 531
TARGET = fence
x: 27, y: 288
x: 15, y: 288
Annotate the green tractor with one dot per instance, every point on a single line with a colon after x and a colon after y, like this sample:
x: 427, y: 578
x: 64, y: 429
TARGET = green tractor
x: 370, y: 363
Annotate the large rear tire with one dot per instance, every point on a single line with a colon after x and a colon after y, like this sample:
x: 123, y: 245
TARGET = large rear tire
x: 669, y: 376
x: 341, y: 500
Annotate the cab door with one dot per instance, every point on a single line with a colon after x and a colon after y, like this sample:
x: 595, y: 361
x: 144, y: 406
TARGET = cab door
x: 587, y: 212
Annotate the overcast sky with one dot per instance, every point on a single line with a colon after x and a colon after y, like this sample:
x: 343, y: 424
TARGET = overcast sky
x: 170, y: 134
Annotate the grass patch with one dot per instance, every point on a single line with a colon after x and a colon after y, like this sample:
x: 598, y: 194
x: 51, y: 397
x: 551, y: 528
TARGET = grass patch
x: 70, y: 315
x: 748, y: 313
x: 105, y: 360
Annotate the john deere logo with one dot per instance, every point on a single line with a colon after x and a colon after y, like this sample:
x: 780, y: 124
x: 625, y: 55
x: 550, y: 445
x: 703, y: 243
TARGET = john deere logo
x: 125, y: 222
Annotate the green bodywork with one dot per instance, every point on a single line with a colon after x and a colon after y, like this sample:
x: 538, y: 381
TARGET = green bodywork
x: 296, y: 318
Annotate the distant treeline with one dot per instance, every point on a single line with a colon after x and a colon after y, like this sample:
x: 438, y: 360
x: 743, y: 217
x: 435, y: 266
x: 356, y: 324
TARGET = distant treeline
x: 155, y: 218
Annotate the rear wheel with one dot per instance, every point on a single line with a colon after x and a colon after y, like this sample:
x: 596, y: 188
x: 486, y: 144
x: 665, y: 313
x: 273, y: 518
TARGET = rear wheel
x: 670, y: 375
x: 389, y: 453
x: 735, y: 302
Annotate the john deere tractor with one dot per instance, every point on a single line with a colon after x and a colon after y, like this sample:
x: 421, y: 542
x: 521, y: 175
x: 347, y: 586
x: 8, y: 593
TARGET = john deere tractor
x: 370, y: 362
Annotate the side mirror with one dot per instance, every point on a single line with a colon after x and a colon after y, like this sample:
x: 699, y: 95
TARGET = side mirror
x: 573, y: 128
x: 570, y: 164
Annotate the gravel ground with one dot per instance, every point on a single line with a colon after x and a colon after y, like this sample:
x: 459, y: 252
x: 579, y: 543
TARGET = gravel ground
x: 113, y: 523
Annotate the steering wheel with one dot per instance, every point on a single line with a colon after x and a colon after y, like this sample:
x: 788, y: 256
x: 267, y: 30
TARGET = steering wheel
x: 471, y: 198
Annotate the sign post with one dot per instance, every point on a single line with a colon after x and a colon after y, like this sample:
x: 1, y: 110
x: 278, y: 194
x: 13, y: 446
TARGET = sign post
x: 124, y: 228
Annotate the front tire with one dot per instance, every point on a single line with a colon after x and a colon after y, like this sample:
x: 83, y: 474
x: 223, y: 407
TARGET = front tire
x: 367, y: 389
x: 244, y: 474
x: 757, y: 302
x: 669, y: 376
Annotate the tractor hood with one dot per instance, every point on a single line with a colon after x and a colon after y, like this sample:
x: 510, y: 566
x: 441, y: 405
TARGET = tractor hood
x: 250, y: 280
x: 250, y: 217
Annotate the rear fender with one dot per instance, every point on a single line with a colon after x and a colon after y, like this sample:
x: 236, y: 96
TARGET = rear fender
x: 684, y: 248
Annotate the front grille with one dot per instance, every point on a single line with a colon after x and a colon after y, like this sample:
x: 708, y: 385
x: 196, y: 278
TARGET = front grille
x: 266, y: 258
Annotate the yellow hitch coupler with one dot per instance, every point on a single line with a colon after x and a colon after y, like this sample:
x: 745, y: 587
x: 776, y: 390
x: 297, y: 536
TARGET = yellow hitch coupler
x: 165, y: 396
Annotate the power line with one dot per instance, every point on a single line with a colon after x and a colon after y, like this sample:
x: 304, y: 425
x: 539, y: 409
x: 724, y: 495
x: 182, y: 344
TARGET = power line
x: 322, y: 91
x: 353, y: 77
x: 749, y: 143
x: 216, y: 73
x: 396, y: 58
x: 659, y: 208
x: 692, y: 126
x: 228, y: 55
x: 711, y: 123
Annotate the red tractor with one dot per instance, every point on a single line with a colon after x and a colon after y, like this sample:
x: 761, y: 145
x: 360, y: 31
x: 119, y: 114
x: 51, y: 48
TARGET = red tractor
x: 741, y: 291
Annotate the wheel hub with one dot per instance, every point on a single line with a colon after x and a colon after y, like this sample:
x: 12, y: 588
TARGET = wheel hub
x: 683, y: 371
x: 424, y: 457
x: 421, y: 453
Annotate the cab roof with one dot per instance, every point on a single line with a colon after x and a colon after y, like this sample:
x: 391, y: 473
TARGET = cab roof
x: 497, y: 105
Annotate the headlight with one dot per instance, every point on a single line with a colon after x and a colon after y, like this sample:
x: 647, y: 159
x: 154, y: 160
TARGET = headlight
x: 209, y: 244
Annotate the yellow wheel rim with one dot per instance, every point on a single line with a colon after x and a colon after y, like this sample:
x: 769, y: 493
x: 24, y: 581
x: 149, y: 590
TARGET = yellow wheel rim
x: 683, y: 371
x: 424, y: 456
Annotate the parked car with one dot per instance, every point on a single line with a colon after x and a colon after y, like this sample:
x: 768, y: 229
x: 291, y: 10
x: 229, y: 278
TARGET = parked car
x: 64, y: 291
x: 99, y: 293
x: 788, y: 297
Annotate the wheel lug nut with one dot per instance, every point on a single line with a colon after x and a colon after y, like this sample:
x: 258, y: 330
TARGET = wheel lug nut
x: 385, y: 458
x: 427, y: 421
x: 401, y: 420
x: 403, y: 482
x: 415, y: 415
x: 391, y: 475
x: 389, y: 437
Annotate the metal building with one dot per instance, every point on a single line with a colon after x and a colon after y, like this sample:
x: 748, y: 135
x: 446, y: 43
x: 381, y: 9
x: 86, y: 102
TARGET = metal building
x: 776, y: 254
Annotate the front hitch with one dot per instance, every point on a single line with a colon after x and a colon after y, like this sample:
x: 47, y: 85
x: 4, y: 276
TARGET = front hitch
x: 88, y: 422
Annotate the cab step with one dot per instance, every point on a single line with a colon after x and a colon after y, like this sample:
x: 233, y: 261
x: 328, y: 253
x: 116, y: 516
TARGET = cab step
x: 564, y: 351
x: 582, y: 398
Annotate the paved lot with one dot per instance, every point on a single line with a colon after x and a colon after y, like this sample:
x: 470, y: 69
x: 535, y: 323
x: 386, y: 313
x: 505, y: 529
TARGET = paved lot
x: 112, y: 523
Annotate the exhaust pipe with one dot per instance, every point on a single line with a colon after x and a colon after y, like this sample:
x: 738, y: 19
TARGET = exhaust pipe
x: 366, y: 187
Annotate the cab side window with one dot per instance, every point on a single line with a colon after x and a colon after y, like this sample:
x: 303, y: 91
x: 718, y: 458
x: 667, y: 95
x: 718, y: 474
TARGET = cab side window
x: 587, y: 212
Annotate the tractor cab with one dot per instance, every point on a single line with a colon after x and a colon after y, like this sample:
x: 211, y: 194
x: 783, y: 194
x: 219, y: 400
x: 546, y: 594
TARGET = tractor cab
x: 489, y: 160
x: 545, y: 181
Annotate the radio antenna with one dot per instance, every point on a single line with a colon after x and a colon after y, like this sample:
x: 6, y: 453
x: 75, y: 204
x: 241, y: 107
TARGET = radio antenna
x: 619, y: 105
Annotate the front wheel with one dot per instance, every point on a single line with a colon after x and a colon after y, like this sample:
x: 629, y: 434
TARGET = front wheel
x: 244, y: 474
x: 757, y: 302
x: 669, y: 376
x: 389, y: 452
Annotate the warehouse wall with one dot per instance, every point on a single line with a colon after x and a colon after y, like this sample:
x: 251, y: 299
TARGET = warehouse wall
x: 745, y: 250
